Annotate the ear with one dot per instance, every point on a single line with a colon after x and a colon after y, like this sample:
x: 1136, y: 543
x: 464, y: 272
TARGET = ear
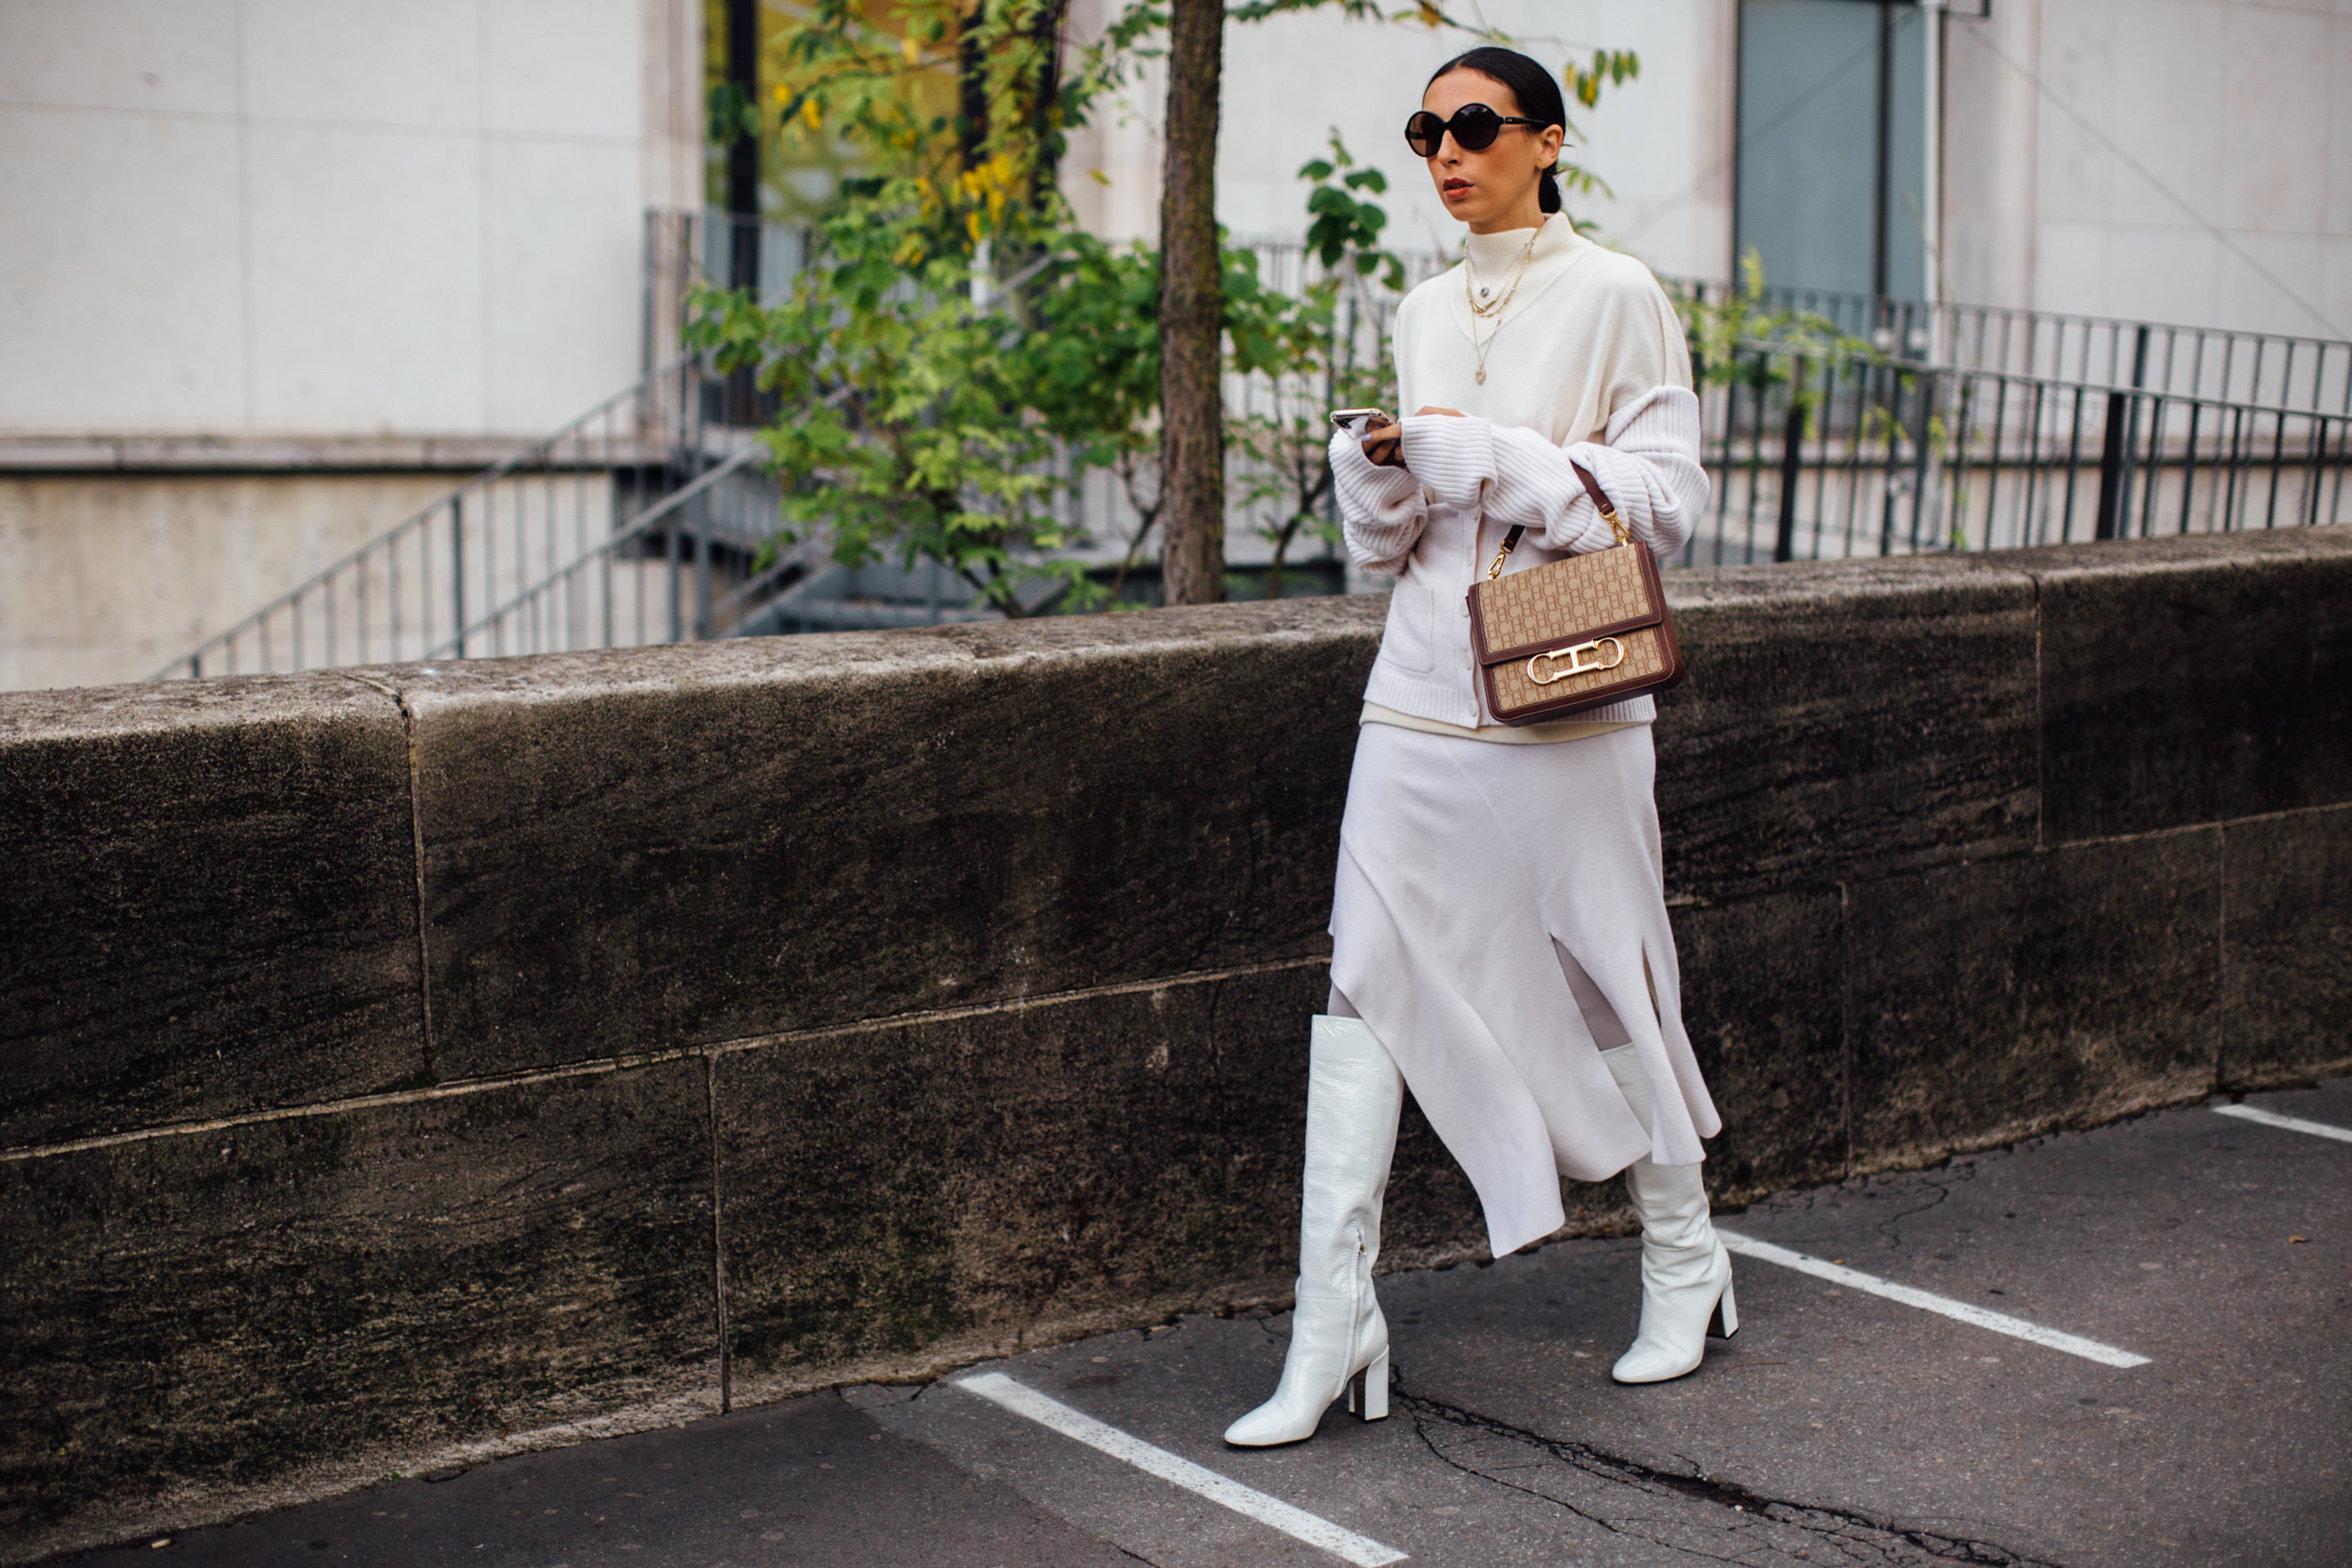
x: 1549, y: 144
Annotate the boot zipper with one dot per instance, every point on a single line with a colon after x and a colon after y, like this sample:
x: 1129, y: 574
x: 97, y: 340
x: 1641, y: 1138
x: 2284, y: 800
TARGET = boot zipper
x: 1356, y: 1281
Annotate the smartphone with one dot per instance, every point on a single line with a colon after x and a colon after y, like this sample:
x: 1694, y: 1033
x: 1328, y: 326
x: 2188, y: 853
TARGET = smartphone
x: 1356, y: 421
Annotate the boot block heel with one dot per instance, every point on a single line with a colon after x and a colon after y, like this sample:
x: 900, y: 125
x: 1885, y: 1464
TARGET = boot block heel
x: 1725, y: 1321
x: 1368, y: 1390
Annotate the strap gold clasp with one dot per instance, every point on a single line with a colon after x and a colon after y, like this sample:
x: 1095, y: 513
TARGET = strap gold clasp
x: 1584, y: 659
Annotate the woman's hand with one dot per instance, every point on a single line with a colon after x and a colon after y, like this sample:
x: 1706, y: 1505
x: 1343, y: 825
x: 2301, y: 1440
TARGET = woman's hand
x: 1384, y: 444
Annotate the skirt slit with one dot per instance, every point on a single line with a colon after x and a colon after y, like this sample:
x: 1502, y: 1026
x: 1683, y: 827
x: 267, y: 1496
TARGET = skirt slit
x: 1478, y: 884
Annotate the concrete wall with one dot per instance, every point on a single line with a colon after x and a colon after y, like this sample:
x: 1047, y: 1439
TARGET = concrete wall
x: 422, y: 217
x: 433, y: 1061
x: 115, y: 574
x: 2185, y: 161
x: 276, y: 272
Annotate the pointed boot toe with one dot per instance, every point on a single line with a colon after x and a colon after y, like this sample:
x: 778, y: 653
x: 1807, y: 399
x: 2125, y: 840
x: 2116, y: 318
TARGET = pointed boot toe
x: 1647, y: 1362
x: 1276, y: 1422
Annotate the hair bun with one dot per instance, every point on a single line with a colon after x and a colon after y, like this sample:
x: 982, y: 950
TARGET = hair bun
x: 1548, y: 191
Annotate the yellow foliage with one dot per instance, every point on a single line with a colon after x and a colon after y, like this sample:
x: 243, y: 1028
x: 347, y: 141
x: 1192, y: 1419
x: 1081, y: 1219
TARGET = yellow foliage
x: 809, y: 114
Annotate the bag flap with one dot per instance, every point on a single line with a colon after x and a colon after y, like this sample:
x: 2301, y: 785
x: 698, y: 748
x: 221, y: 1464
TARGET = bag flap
x: 1572, y: 600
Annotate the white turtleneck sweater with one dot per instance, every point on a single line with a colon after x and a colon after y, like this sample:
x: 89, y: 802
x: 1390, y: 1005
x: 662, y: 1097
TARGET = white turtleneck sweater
x: 1586, y: 362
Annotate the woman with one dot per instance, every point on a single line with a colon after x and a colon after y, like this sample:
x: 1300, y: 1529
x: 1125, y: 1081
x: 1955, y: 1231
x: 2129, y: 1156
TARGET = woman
x: 1499, y: 925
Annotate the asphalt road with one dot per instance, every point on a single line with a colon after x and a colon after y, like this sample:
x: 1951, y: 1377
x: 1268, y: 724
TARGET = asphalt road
x: 1841, y: 1427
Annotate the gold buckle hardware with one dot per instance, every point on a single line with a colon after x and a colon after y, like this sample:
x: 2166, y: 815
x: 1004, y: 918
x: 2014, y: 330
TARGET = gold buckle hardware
x: 1496, y: 569
x: 1609, y: 516
x: 1576, y: 660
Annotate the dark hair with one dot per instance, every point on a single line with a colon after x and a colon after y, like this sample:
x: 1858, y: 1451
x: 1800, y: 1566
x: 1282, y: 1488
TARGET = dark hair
x: 1538, y: 95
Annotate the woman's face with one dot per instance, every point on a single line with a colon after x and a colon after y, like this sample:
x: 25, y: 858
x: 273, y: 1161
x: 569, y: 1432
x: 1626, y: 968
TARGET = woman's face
x: 1494, y: 188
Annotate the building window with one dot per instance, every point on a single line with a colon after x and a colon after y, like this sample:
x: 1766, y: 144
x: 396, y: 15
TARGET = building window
x: 1833, y: 144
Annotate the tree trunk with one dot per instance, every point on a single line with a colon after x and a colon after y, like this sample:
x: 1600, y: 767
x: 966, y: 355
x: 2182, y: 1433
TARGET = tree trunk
x: 1047, y: 30
x: 1191, y: 312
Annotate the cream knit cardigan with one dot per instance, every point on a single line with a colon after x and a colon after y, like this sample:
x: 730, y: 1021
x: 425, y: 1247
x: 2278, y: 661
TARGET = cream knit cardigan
x: 1587, y: 363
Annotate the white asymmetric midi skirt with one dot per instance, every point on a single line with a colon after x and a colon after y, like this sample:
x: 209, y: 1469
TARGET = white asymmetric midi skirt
x: 1470, y: 875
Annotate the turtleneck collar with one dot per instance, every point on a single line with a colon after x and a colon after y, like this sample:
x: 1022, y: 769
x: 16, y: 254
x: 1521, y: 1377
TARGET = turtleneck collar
x: 1494, y: 257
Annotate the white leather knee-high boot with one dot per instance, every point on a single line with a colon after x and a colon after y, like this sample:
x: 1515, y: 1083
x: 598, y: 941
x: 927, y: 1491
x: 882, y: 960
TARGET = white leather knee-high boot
x: 1338, y: 1338
x: 1686, y: 1272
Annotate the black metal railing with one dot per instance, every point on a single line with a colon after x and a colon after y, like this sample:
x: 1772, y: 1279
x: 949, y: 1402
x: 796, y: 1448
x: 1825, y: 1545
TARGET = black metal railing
x: 691, y: 566
x: 460, y: 578
x: 2267, y: 369
x: 1816, y: 458
x: 647, y: 518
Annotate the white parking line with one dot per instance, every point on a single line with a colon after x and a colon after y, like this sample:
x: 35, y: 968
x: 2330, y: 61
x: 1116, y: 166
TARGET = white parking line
x: 2292, y: 1123
x: 1021, y: 1400
x: 1928, y: 1301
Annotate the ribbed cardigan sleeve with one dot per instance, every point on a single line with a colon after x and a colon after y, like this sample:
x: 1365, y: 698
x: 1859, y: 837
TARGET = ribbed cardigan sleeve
x: 1381, y: 510
x: 1647, y: 463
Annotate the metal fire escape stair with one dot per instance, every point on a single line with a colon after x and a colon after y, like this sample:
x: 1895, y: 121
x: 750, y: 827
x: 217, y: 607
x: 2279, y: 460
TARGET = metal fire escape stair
x: 641, y: 522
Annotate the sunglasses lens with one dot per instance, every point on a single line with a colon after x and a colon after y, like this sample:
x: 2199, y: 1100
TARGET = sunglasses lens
x: 1424, y: 133
x: 1476, y: 126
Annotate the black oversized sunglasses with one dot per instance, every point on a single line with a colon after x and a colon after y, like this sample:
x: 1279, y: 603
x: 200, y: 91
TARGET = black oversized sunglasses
x: 1475, y: 127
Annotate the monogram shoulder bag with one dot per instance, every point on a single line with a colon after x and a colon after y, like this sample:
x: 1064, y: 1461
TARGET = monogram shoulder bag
x: 1572, y: 633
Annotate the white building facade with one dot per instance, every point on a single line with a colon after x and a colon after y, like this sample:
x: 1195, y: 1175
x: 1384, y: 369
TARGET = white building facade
x: 275, y: 273
x: 2176, y: 161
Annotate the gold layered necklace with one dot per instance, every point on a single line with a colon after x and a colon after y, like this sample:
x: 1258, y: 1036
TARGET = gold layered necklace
x: 1478, y: 311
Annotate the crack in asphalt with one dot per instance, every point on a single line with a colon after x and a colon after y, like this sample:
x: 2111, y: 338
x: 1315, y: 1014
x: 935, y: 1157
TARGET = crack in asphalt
x: 1891, y: 1225
x: 1854, y: 1536
x: 1910, y: 1194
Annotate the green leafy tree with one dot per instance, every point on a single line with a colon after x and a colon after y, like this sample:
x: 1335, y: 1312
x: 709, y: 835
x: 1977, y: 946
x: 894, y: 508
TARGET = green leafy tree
x: 895, y: 439
x: 907, y: 426
x: 1095, y: 371
x: 955, y: 332
x: 957, y: 350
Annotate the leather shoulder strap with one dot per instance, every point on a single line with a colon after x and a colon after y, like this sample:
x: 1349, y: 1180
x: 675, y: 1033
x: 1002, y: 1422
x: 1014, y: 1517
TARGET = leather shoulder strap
x: 1592, y: 487
x: 1600, y: 499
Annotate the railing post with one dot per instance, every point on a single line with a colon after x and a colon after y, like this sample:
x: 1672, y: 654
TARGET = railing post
x: 675, y: 534
x: 1792, y: 435
x: 1927, y: 463
x: 457, y: 567
x: 700, y: 517
x: 2111, y: 466
x: 2115, y: 454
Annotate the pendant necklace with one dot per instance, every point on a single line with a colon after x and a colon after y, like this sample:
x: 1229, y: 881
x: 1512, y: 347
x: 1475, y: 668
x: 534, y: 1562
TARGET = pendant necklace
x: 1478, y: 311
